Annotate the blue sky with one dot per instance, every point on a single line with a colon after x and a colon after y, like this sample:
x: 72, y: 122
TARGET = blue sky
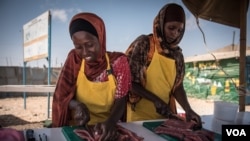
x: 125, y: 20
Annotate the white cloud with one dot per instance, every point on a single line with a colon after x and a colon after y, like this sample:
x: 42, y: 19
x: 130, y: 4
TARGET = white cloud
x: 62, y: 14
x: 191, y: 23
x: 74, y: 10
x: 59, y: 14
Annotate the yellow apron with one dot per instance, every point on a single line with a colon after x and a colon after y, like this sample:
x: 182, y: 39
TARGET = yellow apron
x: 160, y: 76
x: 97, y: 96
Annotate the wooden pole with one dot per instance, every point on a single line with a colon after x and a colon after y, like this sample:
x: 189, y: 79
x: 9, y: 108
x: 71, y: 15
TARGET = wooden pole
x: 242, y: 79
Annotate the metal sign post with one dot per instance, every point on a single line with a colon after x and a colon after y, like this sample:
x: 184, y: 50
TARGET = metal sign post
x: 37, y: 45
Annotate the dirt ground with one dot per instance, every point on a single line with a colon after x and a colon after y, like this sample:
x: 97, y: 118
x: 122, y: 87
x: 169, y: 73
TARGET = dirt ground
x: 13, y: 114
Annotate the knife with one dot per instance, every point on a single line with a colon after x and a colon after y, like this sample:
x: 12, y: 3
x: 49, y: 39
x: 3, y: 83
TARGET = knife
x: 175, y: 116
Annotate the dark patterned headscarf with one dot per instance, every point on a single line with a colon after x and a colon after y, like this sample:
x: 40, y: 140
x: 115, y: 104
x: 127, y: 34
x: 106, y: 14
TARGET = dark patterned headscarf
x: 168, y: 13
x: 140, y: 51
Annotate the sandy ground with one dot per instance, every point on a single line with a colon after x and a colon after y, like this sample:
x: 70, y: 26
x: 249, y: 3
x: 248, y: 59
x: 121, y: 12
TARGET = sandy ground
x: 13, y: 114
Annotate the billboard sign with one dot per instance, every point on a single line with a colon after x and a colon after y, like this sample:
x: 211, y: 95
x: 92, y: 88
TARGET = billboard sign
x: 35, y: 38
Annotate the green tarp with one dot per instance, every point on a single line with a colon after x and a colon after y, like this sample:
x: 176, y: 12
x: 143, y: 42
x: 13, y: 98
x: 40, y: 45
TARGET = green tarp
x: 208, y: 80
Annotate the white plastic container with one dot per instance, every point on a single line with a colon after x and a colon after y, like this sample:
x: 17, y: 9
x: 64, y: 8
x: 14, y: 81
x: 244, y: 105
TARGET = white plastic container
x: 225, y: 111
x: 243, y: 118
x: 217, y: 125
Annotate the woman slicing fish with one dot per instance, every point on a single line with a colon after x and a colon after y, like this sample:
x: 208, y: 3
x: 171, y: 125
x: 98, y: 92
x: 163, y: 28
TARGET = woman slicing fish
x: 93, y: 83
x: 157, y: 69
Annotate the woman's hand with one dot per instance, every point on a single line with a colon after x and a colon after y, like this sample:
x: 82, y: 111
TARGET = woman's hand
x: 81, y: 114
x: 105, y: 132
x: 162, y: 107
x: 80, y: 111
x: 192, y: 116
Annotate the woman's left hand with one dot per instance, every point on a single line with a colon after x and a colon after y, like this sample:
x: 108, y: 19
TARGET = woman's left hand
x: 192, y: 116
x: 105, y: 132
